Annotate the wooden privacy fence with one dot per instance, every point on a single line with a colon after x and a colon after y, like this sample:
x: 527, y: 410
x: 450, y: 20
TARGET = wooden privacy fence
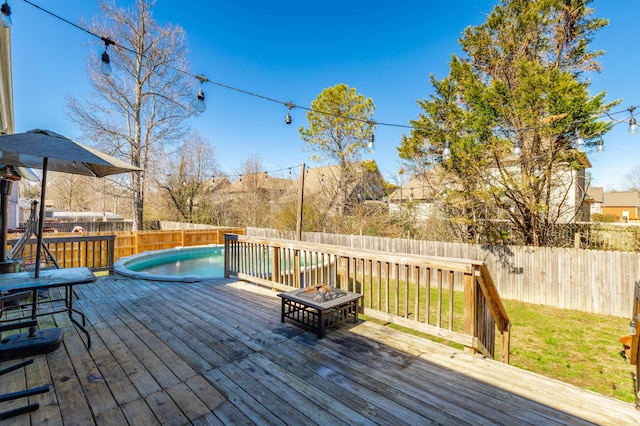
x: 99, y: 250
x: 594, y: 281
x: 134, y: 242
x: 454, y: 299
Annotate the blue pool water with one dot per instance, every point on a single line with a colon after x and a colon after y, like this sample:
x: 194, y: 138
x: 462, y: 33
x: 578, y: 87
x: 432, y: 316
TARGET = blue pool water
x: 190, y: 264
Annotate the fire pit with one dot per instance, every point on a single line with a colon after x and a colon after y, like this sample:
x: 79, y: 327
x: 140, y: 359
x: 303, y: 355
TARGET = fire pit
x: 319, y: 307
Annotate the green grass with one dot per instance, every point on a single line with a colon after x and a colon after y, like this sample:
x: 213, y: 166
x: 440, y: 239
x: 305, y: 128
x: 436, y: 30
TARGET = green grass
x: 571, y: 346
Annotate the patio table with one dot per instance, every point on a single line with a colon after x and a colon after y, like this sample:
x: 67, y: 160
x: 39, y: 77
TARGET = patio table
x: 51, y: 278
x: 319, y: 307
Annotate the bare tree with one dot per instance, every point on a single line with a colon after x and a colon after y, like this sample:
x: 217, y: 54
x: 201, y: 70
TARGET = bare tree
x: 188, y: 180
x: 143, y: 106
x: 70, y: 192
x: 632, y: 179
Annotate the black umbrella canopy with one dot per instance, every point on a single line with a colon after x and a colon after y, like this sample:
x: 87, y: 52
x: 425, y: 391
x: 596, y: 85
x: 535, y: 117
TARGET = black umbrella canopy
x: 29, y: 149
x: 47, y: 150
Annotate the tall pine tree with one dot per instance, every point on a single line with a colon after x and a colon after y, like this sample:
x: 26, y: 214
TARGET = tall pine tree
x: 513, y: 112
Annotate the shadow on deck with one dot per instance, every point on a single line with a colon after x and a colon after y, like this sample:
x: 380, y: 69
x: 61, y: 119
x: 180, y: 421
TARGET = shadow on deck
x: 217, y: 353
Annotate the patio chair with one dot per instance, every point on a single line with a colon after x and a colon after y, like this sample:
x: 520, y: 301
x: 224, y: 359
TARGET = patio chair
x: 20, y: 394
x: 20, y: 346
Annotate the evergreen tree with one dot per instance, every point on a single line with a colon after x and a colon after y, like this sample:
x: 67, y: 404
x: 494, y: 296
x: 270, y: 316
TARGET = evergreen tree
x: 512, y: 116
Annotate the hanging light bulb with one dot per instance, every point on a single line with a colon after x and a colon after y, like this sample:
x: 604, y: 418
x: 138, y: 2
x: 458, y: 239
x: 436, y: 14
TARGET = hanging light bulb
x: 287, y: 118
x: 517, y: 152
x: 446, y: 152
x: 633, y: 126
x: 579, y: 141
x: 105, y: 65
x: 200, y: 105
x: 600, y: 145
x: 5, y: 18
x: 370, y: 145
x: 537, y: 171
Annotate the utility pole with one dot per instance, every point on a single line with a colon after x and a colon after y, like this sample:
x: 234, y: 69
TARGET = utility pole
x: 300, y: 204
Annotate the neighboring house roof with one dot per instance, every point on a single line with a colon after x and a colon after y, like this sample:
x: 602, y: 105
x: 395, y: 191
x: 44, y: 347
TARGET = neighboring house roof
x: 596, y: 194
x: 316, y: 179
x: 622, y: 199
x: 255, y: 181
x: 423, y: 188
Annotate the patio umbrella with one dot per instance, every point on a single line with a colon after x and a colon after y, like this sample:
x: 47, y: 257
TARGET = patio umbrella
x: 46, y: 150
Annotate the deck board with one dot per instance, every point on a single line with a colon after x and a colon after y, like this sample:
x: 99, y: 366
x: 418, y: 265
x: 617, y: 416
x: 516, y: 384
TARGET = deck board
x: 216, y: 353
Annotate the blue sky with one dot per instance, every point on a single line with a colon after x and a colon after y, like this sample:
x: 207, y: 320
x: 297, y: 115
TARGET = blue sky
x: 291, y: 51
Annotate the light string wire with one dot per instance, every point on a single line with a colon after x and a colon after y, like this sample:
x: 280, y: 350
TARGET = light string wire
x: 265, y: 173
x: 291, y: 105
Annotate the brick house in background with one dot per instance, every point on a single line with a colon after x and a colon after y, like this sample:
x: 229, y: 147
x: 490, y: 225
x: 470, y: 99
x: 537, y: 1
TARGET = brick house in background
x: 624, y: 205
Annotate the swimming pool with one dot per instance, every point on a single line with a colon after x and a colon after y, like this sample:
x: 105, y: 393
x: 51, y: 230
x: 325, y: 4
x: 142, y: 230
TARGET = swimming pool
x: 186, y: 264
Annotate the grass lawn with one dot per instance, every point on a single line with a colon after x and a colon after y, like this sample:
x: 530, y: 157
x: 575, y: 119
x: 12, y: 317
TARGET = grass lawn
x: 571, y: 346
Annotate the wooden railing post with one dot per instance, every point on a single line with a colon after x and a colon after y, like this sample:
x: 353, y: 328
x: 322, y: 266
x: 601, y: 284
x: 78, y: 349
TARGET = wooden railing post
x: 296, y: 268
x: 470, y: 314
x: 505, y: 343
x: 227, y: 255
x: 275, y: 265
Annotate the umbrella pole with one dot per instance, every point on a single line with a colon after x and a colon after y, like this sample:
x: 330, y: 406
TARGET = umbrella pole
x: 43, y: 191
x: 3, y: 231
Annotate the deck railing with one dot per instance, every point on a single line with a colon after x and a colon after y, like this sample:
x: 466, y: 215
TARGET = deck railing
x: 95, y: 252
x: 454, y: 299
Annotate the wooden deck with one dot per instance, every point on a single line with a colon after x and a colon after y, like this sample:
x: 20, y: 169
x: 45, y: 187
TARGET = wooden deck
x: 217, y: 353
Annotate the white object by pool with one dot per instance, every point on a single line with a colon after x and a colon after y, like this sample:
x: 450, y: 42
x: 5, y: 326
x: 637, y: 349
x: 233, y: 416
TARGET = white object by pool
x: 186, y: 264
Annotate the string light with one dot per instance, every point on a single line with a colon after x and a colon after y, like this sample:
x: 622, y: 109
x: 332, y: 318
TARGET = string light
x: 517, y: 151
x: 105, y: 66
x: 446, y: 152
x: 5, y: 19
x: 287, y: 118
x: 200, y: 105
x: 579, y: 141
x: 633, y: 126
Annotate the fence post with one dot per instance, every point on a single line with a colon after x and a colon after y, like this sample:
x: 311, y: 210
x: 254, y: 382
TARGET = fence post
x: 136, y: 239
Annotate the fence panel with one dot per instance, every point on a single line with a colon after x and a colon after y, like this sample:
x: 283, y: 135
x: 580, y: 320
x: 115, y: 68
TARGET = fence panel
x: 594, y: 281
